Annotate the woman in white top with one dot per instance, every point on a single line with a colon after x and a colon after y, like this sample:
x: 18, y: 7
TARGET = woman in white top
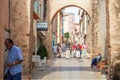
x: 77, y: 53
x: 85, y: 49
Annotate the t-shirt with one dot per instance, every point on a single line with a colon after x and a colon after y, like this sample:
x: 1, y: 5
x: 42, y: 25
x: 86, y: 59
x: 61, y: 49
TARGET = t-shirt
x: 80, y: 46
x: 85, y: 46
x: 74, y: 46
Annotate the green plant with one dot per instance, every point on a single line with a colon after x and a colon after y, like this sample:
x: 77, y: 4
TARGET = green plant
x: 66, y: 35
x: 42, y: 51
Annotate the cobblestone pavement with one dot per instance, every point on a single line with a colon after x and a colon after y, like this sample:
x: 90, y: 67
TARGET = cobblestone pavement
x: 67, y: 69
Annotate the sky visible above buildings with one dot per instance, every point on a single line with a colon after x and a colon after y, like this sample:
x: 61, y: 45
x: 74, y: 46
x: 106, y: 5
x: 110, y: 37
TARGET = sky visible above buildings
x: 73, y: 10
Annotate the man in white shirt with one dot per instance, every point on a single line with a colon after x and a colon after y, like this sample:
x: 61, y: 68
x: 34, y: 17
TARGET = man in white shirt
x: 96, y: 60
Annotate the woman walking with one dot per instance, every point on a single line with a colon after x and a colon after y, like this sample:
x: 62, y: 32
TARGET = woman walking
x: 77, y: 53
x: 85, y: 49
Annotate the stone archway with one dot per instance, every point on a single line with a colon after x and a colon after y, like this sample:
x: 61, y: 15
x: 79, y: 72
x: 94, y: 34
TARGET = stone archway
x: 66, y: 7
x: 81, y: 12
x: 55, y: 6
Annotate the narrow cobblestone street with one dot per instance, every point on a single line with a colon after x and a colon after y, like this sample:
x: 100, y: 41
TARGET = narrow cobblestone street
x: 33, y: 31
x: 66, y: 69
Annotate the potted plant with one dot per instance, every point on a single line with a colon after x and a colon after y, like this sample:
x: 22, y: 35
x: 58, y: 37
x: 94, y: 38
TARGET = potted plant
x: 42, y: 51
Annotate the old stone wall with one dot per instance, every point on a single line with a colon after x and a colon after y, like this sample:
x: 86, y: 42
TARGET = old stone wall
x: 95, y: 27
x: 1, y: 40
x: 89, y: 38
x: 20, y: 26
x: 114, y: 8
x: 48, y: 36
x: 4, y: 27
x: 33, y: 35
x: 114, y: 17
x: 100, y: 27
x: 107, y: 55
x: 61, y: 22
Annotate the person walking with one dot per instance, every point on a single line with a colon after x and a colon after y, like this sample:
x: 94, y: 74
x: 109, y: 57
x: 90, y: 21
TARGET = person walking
x: 60, y: 50
x: 77, y: 53
x: 80, y: 48
x: 55, y: 50
x: 74, y: 50
x: 85, y: 49
x: 14, y: 61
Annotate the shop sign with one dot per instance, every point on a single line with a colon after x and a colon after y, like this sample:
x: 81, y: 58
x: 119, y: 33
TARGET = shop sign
x: 42, y: 26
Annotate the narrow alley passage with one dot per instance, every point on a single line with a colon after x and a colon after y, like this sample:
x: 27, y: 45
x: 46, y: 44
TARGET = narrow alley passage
x: 44, y: 28
x: 66, y: 69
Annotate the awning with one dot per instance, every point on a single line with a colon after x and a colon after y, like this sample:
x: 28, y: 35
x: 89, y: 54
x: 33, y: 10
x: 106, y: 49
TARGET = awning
x: 35, y: 16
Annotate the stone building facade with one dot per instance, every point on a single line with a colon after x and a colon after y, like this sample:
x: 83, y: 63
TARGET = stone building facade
x: 21, y: 27
x: 114, y: 17
x: 99, y: 27
x: 108, y: 33
x: 61, y: 27
x: 54, y: 31
x: 114, y: 24
x: 69, y: 25
x: 84, y: 23
x: 104, y: 26
x: 105, y: 19
x: 4, y: 32
x: 48, y: 36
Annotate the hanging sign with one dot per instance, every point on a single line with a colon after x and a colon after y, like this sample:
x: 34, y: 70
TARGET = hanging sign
x: 42, y: 26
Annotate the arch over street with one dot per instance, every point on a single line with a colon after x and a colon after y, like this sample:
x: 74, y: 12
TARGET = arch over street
x: 56, y: 6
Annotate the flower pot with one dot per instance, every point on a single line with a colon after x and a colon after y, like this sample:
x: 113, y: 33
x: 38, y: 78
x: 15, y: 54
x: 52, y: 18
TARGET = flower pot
x: 44, y: 60
x: 35, y: 58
